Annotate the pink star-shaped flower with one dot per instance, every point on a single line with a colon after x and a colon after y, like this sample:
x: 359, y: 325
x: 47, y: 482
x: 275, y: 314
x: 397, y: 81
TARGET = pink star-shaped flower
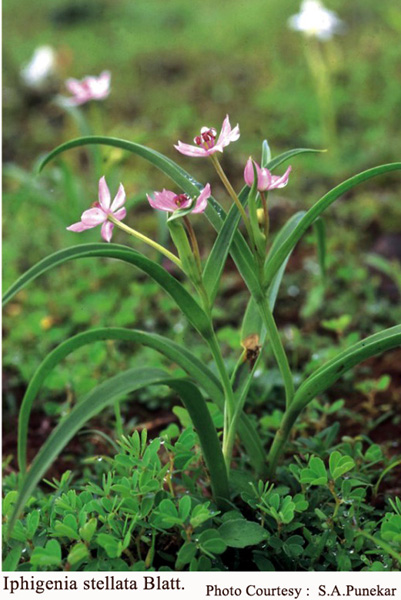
x: 206, y: 143
x: 170, y: 202
x: 266, y: 181
x: 101, y: 211
x: 89, y: 88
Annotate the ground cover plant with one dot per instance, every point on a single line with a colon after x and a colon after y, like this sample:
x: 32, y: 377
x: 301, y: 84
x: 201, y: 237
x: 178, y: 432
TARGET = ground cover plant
x: 233, y: 477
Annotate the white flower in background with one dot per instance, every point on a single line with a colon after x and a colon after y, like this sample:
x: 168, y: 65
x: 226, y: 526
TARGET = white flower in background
x: 315, y: 20
x: 40, y: 68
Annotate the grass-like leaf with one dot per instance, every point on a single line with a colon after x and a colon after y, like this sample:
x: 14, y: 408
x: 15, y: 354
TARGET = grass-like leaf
x: 107, y: 394
x: 183, y: 357
x: 221, y: 248
x: 320, y: 232
x: 191, y: 309
x: 252, y: 322
x: 326, y: 375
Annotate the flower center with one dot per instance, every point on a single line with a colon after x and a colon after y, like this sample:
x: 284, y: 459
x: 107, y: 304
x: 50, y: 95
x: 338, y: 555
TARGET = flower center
x: 179, y: 200
x: 206, y: 139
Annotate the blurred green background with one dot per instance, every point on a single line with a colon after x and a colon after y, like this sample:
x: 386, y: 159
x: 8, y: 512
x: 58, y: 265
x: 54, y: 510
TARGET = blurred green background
x: 177, y: 65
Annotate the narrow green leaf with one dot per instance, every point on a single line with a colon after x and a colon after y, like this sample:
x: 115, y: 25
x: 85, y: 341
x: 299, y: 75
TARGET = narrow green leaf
x: 326, y: 375
x: 266, y: 154
x: 105, y: 395
x: 252, y: 322
x: 317, y: 209
x: 320, y: 232
x: 222, y: 246
x: 184, y: 300
x: 11, y: 559
x: 183, y: 357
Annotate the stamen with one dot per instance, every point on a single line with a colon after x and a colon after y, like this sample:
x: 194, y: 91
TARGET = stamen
x: 180, y: 199
x: 206, y: 138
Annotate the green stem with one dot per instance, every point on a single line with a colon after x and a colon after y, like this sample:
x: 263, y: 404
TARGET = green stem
x: 266, y: 221
x: 320, y: 73
x: 336, y: 499
x: 280, y: 440
x: 194, y: 244
x: 277, y: 346
x: 231, y: 193
x: 147, y: 240
x: 229, y: 405
x: 379, y: 542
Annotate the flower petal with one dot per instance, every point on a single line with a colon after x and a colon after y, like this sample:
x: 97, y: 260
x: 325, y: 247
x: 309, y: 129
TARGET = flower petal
x: 119, y: 199
x: 264, y: 180
x: 201, y: 203
x: 226, y: 127
x: 104, y: 194
x: 227, y: 135
x: 107, y: 230
x: 73, y: 85
x: 280, y: 182
x: 120, y: 214
x: 163, y: 201
x: 78, y: 227
x: 189, y: 150
x: 248, y: 172
x: 93, y: 217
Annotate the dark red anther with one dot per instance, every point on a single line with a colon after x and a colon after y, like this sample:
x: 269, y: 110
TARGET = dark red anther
x: 179, y: 200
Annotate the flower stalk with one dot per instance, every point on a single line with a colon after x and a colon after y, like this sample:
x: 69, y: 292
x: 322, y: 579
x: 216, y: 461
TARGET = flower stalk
x: 232, y: 194
x: 266, y: 220
x: 194, y: 243
x: 149, y: 241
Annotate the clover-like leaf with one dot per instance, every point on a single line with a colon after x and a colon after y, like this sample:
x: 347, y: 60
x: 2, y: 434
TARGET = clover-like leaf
x: 391, y: 529
x: 315, y: 473
x: 210, y: 541
x: 184, y: 507
x: 86, y: 531
x: 78, y: 553
x: 240, y: 533
x: 111, y: 545
x: 293, y: 546
x: 339, y: 465
x: 185, y: 554
x: 49, y: 556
